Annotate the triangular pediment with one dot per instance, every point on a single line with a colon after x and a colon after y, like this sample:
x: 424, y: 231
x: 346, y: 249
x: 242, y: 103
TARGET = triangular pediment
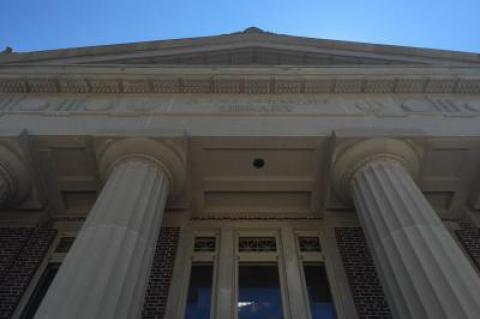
x: 250, y: 47
x: 255, y: 54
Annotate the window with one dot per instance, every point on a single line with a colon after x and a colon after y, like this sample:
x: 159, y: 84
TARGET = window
x: 316, y: 280
x: 309, y: 244
x: 44, y: 276
x: 40, y: 291
x: 199, y: 298
x: 321, y: 303
x: 257, y: 244
x: 242, y: 270
x: 205, y: 244
x: 259, y: 294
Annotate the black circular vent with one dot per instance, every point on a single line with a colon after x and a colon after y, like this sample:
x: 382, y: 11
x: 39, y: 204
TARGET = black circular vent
x: 258, y: 163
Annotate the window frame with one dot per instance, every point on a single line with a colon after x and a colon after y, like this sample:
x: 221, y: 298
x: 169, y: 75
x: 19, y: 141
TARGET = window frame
x: 192, y: 257
x: 309, y: 257
x: 51, y: 257
x: 224, y: 305
x: 260, y: 257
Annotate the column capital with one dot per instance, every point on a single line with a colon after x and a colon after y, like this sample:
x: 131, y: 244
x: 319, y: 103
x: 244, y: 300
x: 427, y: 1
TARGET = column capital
x: 352, y: 158
x: 15, y: 180
x: 166, y: 158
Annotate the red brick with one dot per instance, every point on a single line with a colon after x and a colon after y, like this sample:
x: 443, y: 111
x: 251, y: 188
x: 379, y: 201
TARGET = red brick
x: 367, y: 291
x: 161, y: 274
x: 24, y: 255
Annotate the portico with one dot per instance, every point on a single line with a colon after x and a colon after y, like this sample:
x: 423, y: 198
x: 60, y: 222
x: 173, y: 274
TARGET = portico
x: 216, y: 177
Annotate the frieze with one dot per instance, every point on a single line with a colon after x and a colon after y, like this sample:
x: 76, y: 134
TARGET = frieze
x: 244, y: 85
x: 274, y: 105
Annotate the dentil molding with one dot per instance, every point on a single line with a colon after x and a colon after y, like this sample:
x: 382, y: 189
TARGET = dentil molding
x: 168, y: 159
x: 353, y: 158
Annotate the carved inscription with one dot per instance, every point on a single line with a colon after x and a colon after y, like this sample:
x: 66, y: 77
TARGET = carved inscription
x: 254, y: 108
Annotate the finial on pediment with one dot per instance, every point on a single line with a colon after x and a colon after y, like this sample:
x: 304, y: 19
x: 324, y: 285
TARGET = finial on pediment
x: 253, y: 30
x: 7, y: 50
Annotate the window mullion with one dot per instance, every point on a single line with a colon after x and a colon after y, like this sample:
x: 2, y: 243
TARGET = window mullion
x: 296, y: 291
x: 225, y: 286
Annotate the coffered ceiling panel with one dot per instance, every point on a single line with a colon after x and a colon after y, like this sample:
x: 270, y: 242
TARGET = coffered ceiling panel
x: 257, y: 176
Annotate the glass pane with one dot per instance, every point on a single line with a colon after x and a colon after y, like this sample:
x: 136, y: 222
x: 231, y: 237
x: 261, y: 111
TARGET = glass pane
x: 259, y: 294
x: 40, y: 291
x: 321, y: 303
x: 199, y: 292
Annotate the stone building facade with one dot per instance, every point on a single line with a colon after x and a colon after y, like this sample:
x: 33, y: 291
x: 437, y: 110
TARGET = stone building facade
x: 246, y: 175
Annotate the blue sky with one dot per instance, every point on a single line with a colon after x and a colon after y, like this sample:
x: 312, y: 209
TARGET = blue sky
x: 32, y: 25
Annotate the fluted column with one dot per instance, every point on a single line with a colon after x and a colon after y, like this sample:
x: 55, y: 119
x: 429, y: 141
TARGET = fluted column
x: 106, y: 270
x: 15, y: 180
x: 5, y: 186
x: 423, y: 271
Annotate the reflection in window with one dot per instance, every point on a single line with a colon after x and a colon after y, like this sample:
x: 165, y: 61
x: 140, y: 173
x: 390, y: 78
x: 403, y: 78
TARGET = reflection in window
x: 199, y: 292
x: 40, y: 291
x: 259, y: 293
x: 321, y: 303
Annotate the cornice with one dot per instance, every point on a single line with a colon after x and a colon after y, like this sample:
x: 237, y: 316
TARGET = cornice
x: 239, y: 38
x: 98, y: 84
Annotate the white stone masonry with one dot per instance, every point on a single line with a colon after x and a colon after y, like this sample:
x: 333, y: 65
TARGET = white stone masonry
x: 423, y: 271
x: 106, y: 271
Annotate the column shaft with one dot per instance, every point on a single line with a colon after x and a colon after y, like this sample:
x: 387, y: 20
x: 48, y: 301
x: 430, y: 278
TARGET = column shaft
x: 106, y: 271
x: 5, y: 187
x: 423, y: 271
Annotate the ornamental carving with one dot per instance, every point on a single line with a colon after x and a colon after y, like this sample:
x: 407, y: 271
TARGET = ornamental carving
x: 309, y: 244
x: 257, y: 244
x: 243, y: 85
x: 205, y: 244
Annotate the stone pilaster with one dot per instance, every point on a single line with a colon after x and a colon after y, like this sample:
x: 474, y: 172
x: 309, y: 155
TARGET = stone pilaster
x: 423, y: 271
x: 106, y: 271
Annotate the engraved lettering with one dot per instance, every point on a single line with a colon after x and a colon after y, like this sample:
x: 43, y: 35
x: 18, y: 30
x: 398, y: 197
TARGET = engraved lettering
x: 417, y: 106
x: 34, y: 104
x: 473, y: 106
x: 255, y: 109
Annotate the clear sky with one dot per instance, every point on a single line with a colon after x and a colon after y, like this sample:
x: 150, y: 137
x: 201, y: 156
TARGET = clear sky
x: 31, y: 25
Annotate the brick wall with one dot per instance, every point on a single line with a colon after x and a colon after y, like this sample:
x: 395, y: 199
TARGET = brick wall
x: 161, y: 274
x: 469, y: 236
x: 22, y: 250
x: 12, y: 241
x: 367, y: 291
